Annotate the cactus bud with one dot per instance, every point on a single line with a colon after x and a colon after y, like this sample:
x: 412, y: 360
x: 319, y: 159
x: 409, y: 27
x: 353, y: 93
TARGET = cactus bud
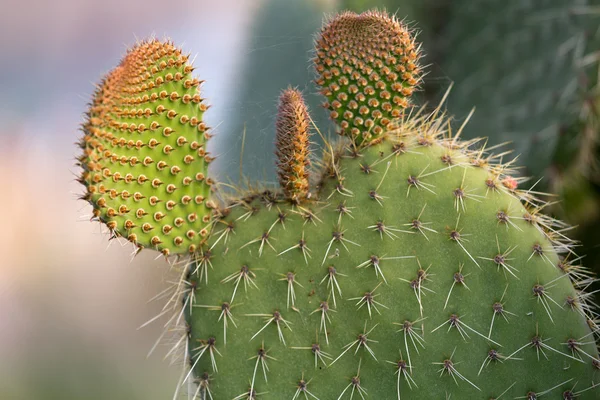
x: 292, y: 145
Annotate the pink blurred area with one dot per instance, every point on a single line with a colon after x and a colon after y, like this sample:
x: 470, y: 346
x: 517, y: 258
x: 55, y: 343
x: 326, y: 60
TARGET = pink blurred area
x: 70, y: 302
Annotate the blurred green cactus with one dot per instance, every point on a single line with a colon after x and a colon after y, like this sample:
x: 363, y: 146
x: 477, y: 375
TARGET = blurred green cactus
x: 411, y: 264
x: 524, y: 70
x: 532, y: 78
x: 281, y: 33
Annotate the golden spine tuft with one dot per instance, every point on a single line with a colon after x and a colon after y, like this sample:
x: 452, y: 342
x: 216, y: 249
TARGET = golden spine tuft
x: 368, y: 67
x: 292, y: 142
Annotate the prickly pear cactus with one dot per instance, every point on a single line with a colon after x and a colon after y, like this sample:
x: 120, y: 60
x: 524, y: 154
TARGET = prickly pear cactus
x: 367, y: 69
x: 409, y: 264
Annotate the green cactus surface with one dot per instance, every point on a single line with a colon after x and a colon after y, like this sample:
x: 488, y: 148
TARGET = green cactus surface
x: 532, y: 79
x: 406, y: 263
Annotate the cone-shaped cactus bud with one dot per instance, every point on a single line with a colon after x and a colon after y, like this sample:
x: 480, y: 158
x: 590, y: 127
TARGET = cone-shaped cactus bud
x: 144, y: 159
x: 367, y: 66
x: 292, y: 145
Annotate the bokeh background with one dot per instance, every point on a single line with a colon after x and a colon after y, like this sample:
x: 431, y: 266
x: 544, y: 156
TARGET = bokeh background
x: 71, y: 302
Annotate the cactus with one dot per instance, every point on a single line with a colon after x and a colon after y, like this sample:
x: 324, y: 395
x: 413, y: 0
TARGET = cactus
x: 292, y: 145
x: 405, y: 263
x: 280, y: 38
x: 367, y: 68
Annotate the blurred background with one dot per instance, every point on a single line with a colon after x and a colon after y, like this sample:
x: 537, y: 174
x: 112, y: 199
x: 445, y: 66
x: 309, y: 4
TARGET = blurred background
x: 71, y: 303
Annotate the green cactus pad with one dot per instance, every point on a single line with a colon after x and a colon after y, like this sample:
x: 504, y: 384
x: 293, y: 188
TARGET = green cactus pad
x: 414, y: 260
x: 521, y: 64
x: 144, y: 159
x: 368, y: 67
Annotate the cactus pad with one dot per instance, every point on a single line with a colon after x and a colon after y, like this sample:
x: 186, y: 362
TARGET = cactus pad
x: 368, y: 67
x: 417, y: 274
x: 525, y: 70
x: 144, y: 159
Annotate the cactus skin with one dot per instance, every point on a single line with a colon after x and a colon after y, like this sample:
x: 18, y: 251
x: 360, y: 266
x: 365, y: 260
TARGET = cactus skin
x: 531, y: 76
x: 144, y: 159
x: 413, y: 263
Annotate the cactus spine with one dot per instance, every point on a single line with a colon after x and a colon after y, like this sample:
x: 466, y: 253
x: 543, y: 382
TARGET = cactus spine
x: 411, y: 267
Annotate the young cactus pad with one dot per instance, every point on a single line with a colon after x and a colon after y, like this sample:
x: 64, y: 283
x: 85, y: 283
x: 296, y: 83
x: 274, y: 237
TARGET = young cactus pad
x: 144, y: 159
x: 411, y: 266
x: 367, y: 68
